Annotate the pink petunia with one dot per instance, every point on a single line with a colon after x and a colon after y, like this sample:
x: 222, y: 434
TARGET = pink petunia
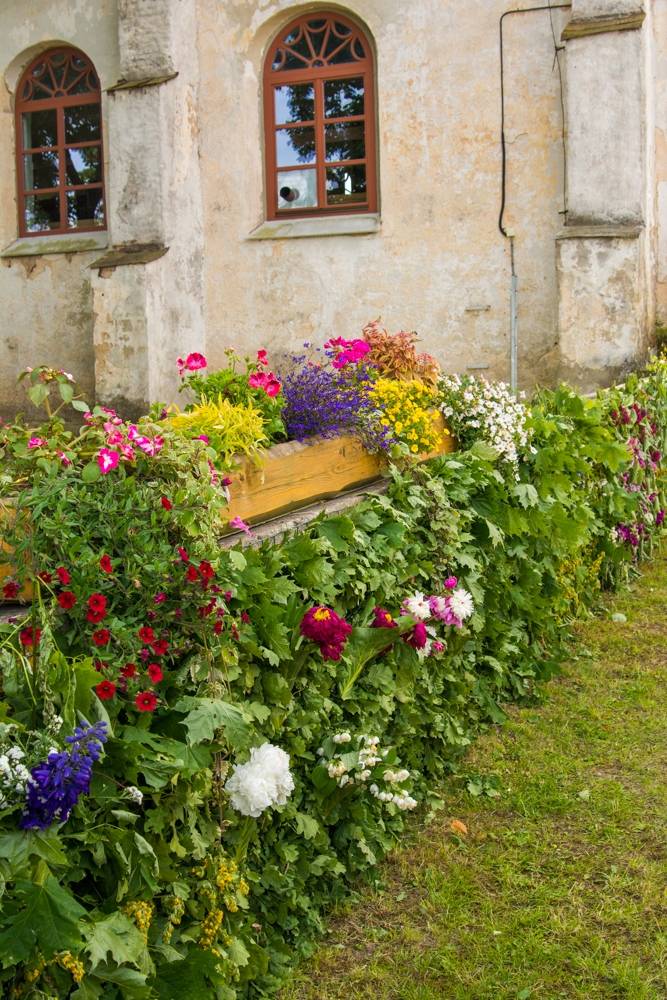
x: 36, y: 442
x: 261, y: 357
x: 107, y: 460
x: 240, y: 525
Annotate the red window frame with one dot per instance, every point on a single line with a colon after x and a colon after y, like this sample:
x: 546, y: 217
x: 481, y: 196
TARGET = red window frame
x: 49, y: 92
x: 318, y: 70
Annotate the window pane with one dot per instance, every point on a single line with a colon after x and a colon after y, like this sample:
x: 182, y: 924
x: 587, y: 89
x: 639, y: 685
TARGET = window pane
x: 338, y: 48
x: 85, y: 208
x: 296, y: 54
x: 42, y: 211
x: 294, y: 146
x: 83, y: 165
x: 297, y: 189
x: 39, y: 129
x: 295, y: 103
x: 40, y: 170
x: 344, y: 97
x: 346, y: 185
x: 345, y: 141
x: 82, y: 123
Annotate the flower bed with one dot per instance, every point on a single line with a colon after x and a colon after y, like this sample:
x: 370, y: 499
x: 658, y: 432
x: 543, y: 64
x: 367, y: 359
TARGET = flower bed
x: 200, y: 749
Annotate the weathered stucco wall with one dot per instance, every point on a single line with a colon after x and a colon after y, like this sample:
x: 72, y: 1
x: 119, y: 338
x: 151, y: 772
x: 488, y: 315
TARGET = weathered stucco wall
x: 185, y: 171
x: 45, y: 301
x: 660, y: 63
x: 439, y: 263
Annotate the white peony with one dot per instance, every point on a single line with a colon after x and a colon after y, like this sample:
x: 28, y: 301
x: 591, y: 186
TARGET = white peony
x: 461, y: 603
x: 417, y: 606
x: 264, y: 781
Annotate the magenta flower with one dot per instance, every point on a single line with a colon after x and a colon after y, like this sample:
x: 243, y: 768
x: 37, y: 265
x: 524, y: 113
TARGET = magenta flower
x: 261, y: 357
x: 266, y: 381
x: 193, y: 363
x: 203, y: 437
x: 451, y: 582
x: 240, y: 525
x: 64, y: 459
x: 107, y: 460
x: 347, y: 352
x: 36, y: 442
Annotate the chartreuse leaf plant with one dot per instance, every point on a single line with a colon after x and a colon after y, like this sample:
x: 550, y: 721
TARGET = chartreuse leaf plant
x: 201, y: 748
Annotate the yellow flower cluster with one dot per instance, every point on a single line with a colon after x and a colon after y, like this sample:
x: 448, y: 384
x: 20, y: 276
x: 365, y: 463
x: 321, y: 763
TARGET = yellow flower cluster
x: 210, y: 926
x: 176, y: 908
x: 141, y: 913
x: 32, y: 974
x: 225, y: 874
x: 407, y: 407
x: 222, y: 888
x: 71, y: 965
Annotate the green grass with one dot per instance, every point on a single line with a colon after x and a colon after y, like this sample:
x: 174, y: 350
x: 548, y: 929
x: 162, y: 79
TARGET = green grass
x: 559, y: 889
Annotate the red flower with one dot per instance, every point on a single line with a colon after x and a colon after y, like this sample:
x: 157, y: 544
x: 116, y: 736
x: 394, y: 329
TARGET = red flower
x: 105, y: 564
x: 63, y: 575
x: 97, y: 603
x: 99, y: 665
x: 218, y: 627
x: 417, y: 637
x: 146, y: 701
x: 183, y: 554
x: 11, y: 590
x: 192, y: 574
x: 101, y: 637
x: 382, y: 619
x: 146, y: 633
x: 45, y: 577
x: 206, y: 570
x: 327, y: 629
x: 155, y: 672
x: 160, y: 647
x: 245, y: 617
x: 95, y: 617
x: 166, y: 503
x: 30, y: 636
x: 66, y: 600
x: 129, y: 670
x: 105, y: 690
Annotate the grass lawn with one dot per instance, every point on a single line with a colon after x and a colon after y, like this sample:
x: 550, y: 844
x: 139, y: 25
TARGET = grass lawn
x: 559, y: 888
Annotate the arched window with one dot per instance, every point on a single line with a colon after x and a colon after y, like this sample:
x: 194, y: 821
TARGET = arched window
x: 319, y: 114
x: 59, y: 145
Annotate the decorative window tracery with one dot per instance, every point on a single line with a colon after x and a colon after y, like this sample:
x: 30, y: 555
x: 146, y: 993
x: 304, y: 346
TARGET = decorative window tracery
x: 59, y: 145
x: 319, y: 113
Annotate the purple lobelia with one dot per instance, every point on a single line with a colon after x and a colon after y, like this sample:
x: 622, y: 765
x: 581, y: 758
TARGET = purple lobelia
x: 323, y: 401
x: 57, y: 782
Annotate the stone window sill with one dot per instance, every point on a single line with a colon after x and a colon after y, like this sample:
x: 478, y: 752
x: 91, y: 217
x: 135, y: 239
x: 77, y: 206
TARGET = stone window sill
x: 35, y: 246
x: 326, y: 225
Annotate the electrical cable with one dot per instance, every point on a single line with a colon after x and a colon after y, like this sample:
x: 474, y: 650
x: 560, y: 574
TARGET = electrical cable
x: 503, y: 143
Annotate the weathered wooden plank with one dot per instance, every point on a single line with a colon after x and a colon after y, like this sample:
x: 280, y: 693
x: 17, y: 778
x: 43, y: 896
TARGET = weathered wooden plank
x: 291, y: 475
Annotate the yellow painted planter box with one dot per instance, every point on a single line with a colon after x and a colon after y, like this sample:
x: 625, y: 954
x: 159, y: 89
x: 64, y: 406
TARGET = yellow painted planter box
x: 286, y: 477
x: 295, y: 474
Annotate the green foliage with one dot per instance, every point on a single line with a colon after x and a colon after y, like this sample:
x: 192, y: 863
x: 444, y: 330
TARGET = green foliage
x: 232, y: 385
x: 232, y: 428
x: 155, y: 884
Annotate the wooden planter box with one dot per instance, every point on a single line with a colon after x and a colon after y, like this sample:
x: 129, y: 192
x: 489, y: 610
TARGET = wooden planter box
x: 296, y: 474
x: 286, y: 477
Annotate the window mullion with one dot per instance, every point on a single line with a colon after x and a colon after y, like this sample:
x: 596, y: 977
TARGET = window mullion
x: 60, y: 128
x: 319, y: 143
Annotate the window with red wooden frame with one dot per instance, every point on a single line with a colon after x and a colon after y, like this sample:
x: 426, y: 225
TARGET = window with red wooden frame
x: 59, y: 145
x: 319, y: 119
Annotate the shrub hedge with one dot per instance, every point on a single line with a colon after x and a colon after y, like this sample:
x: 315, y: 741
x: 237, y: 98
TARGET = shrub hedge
x: 155, y: 886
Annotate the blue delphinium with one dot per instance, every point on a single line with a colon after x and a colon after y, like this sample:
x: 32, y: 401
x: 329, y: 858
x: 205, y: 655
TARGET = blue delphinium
x: 57, y: 783
x: 325, y: 402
